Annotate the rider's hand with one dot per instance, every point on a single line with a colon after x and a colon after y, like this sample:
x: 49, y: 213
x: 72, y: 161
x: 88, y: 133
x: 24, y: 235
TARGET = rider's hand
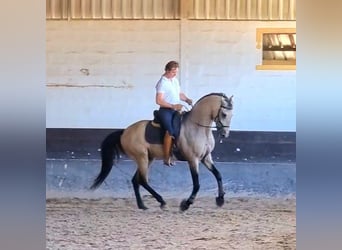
x: 189, y: 101
x: 177, y: 107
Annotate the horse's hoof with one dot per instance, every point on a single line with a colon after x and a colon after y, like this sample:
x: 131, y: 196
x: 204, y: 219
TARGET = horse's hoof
x: 163, y: 206
x: 220, y: 201
x: 184, y: 205
x: 143, y: 207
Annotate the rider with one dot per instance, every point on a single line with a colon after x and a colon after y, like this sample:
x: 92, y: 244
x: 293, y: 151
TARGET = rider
x: 168, y: 97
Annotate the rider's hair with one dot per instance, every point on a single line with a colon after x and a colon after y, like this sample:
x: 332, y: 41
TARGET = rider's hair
x: 171, y: 65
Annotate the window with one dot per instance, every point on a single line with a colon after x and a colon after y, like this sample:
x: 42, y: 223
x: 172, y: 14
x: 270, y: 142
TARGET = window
x: 278, y: 47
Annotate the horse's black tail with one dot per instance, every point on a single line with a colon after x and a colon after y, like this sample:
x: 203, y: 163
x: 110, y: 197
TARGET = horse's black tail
x: 110, y: 151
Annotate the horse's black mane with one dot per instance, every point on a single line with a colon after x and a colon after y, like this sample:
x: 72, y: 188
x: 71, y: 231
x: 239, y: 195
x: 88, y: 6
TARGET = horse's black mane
x: 230, y: 104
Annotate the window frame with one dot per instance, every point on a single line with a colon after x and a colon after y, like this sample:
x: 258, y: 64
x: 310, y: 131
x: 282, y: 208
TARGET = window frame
x: 273, y: 64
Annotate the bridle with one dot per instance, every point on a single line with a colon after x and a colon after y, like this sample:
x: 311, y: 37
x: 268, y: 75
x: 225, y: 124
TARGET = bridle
x: 219, y: 124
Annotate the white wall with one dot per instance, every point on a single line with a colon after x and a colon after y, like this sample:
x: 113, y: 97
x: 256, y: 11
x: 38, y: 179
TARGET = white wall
x: 126, y: 58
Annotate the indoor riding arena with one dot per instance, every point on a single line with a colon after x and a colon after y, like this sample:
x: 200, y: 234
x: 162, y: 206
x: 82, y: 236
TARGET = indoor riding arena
x: 104, y: 58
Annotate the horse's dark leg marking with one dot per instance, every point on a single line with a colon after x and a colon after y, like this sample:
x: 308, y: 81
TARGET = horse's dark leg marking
x: 142, y: 173
x: 220, y: 198
x: 196, y: 186
x: 135, y: 181
x: 208, y: 163
x: 154, y: 193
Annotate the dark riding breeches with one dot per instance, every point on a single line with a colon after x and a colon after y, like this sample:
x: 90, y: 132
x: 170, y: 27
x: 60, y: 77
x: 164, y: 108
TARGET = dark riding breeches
x: 166, y: 116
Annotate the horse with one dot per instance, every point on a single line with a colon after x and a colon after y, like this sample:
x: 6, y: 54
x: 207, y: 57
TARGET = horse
x: 195, y: 144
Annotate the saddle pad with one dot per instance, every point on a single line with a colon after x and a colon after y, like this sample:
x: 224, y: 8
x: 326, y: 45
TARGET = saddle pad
x: 154, y: 135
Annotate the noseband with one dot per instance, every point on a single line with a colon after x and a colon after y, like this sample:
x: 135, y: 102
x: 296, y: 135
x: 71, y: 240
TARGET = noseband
x: 219, y: 124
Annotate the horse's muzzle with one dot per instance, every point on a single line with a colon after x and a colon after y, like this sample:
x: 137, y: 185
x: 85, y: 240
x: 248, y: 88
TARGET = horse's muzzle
x: 224, y: 133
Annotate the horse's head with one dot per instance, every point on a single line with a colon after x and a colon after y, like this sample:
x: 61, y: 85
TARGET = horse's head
x: 224, y: 116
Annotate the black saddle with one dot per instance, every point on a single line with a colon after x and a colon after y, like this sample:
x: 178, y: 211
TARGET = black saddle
x: 155, y: 131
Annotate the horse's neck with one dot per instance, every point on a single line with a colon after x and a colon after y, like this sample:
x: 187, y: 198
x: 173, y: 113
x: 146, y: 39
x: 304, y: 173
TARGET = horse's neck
x: 203, y: 114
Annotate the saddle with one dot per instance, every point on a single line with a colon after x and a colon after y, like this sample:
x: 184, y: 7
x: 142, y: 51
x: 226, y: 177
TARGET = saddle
x: 154, y: 133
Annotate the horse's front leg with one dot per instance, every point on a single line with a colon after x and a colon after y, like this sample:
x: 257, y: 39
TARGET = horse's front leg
x: 185, y: 204
x: 208, y: 162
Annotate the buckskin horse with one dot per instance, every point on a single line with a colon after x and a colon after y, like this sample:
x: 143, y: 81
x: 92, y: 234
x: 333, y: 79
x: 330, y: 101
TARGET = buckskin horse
x: 194, y: 144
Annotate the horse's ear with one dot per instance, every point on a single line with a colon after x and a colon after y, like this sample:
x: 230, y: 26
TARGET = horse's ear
x: 230, y: 98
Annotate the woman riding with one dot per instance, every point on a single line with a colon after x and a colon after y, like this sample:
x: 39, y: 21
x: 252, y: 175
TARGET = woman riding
x: 168, y: 97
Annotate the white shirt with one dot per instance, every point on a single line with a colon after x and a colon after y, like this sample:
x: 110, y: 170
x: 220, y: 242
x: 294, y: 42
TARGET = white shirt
x: 170, y: 88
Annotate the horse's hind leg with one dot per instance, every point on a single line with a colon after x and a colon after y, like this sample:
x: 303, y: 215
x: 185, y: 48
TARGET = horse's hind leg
x: 208, y: 162
x: 140, y: 178
x: 154, y: 193
x: 144, y: 183
x: 135, y: 182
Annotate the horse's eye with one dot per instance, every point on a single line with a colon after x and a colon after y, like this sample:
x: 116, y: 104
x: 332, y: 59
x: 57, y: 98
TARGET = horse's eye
x: 224, y: 115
